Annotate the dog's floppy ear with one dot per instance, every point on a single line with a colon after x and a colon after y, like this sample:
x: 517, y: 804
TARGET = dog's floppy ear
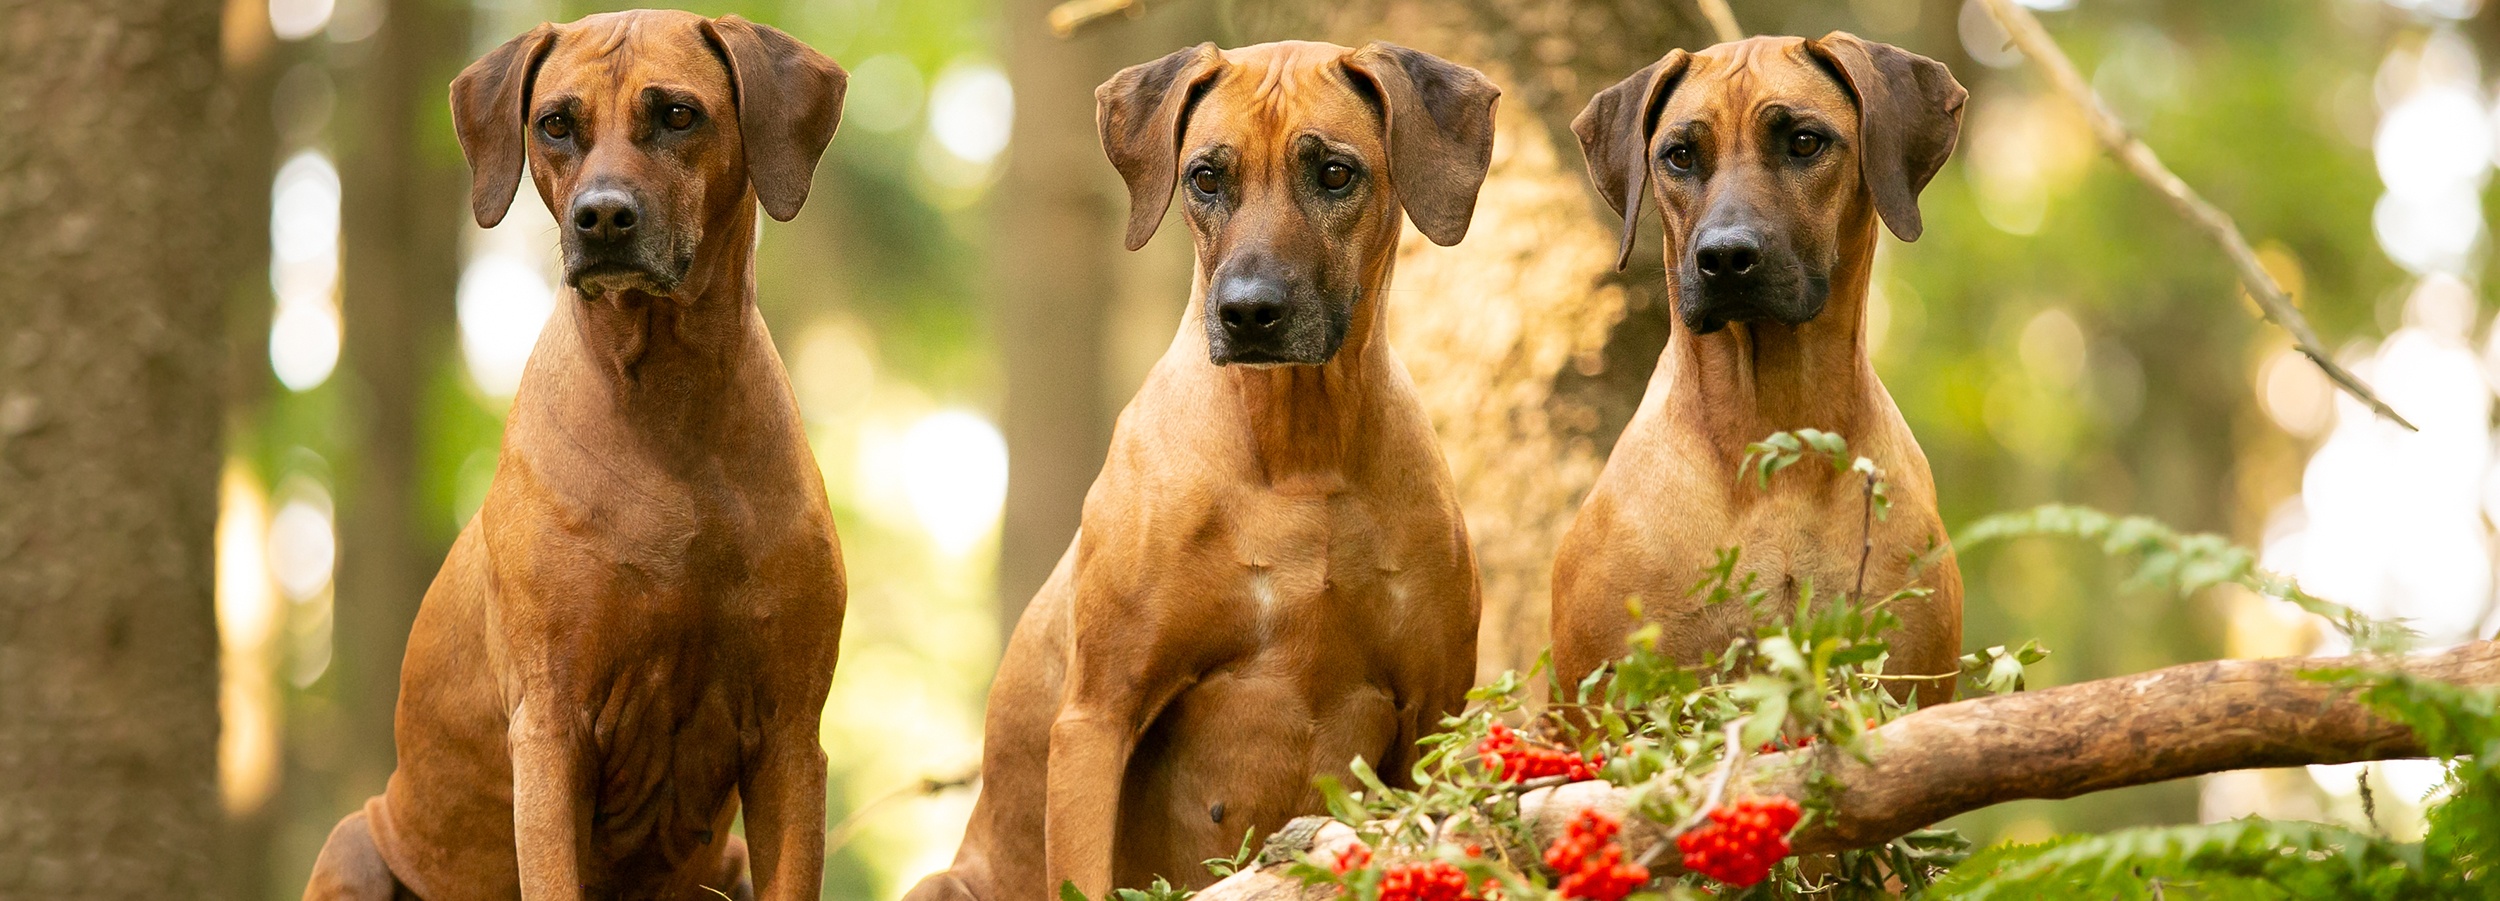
x: 1440, y: 125
x: 789, y: 101
x: 1909, y: 116
x: 1141, y: 113
x: 489, y: 105
x: 1614, y: 134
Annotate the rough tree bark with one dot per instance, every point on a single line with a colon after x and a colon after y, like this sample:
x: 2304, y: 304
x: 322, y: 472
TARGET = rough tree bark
x: 1529, y: 350
x: 402, y: 185
x: 116, y: 256
x: 2049, y: 744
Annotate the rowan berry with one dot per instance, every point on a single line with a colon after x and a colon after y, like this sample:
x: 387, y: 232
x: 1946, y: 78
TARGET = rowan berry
x: 1742, y: 841
x: 1431, y: 880
x: 1511, y: 759
x: 1352, y: 857
x: 1591, y: 862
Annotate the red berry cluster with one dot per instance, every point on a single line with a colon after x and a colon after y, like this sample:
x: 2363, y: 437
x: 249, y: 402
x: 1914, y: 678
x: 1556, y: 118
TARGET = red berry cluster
x: 1742, y: 840
x: 1591, y: 862
x: 1506, y: 754
x: 1352, y: 857
x: 1431, y: 880
x: 1784, y: 743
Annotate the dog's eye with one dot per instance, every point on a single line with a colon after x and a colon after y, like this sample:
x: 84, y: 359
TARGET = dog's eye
x: 1336, y: 176
x: 1804, y: 144
x: 556, y: 127
x: 1205, y: 180
x: 1680, y: 158
x: 678, y: 116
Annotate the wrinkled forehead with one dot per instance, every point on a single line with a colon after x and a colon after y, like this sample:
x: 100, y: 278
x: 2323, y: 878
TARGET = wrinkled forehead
x: 1730, y: 86
x: 619, y: 55
x: 1268, y: 96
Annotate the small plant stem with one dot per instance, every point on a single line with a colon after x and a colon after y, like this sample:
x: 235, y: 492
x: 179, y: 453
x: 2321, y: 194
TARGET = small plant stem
x: 1718, y: 787
x: 842, y: 832
x: 1866, y: 538
x: 1892, y: 677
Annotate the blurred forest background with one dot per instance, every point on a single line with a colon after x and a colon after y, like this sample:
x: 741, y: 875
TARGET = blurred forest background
x: 283, y: 259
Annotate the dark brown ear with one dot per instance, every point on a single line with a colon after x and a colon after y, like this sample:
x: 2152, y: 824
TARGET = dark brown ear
x: 1614, y: 134
x: 489, y: 102
x: 1440, y: 124
x: 1909, y: 116
x: 789, y: 101
x: 1141, y: 113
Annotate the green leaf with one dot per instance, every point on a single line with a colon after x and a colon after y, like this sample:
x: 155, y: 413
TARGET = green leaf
x: 1341, y: 804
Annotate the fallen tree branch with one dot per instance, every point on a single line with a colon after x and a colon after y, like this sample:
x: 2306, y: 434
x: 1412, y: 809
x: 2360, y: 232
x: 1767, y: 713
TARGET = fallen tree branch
x: 1067, y: 17
x: 2035, y: 43
x: 1722, y: 20
x: 2048, y: 744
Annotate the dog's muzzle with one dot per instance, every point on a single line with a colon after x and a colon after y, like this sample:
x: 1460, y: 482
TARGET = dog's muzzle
x: 1733, y: 275
x: 610, y: 246
x: 1258, y: 320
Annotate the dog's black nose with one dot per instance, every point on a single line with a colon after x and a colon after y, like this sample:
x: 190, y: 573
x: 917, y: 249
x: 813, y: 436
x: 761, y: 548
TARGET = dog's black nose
x: 1252, y: 308
x: 606, y: 215
x: 1727, y: 252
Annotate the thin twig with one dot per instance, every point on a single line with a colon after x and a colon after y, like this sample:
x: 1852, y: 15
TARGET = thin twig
x: 1709, y: 800
x: 2034, y: 41
x: 1528, y: 785
x: 1722, y: 19
x: 842, y: 832
x: 1866, y: 537
x: 1067, y: 17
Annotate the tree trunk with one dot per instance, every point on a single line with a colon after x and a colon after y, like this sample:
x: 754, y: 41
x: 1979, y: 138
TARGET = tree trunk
x: 1529, y: 351
x: 2049, y: 744
x: 117, y: 242
x: 1053, y: 262
x: 1070, y: 299
x: 402, y: 210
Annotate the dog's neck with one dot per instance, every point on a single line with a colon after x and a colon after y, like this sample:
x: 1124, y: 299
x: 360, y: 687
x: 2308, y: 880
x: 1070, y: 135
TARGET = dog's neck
x: 1747, y: 380
x: 1304, y: 421
x: 679, y: 364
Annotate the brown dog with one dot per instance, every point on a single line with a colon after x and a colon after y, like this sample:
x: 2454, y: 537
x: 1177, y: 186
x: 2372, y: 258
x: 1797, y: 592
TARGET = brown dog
x: 1772, y: 159
x: 1272, y: 577
x: 637, y: 632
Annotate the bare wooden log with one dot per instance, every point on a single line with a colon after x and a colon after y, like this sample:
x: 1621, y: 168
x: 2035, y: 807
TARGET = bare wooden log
x: 2053, y: 743
x: 2035, y: 43
x: 2111, y: 733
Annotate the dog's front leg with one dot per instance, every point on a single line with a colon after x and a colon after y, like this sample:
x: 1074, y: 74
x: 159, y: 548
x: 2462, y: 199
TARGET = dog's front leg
x: 1089, y: 750
x: 784, y: 792
x: 551, y: 800
x: 1121, y: 673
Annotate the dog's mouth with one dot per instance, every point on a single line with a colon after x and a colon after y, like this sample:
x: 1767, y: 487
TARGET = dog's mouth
x: 598, y: 278
x: 1794, y: 300
x: 1261, y: 359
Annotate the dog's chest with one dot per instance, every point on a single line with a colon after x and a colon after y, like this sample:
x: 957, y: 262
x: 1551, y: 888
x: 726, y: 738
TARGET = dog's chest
x: 667, y: 739
x: 674, y: 600
x: 1299, y: 563
x: 673, y: 552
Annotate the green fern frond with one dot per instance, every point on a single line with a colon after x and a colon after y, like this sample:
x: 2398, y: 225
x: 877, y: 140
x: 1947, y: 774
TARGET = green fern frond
x: 2239, y: 859
x: 2181, y: 562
